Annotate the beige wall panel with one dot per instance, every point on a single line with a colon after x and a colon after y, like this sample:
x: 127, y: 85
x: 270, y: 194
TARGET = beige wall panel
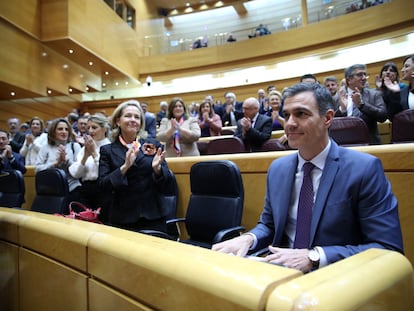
x: 404, y: 194
x: 9, y: 281
x: 54, y: 19
x: 23, y: 13
x: 26, y: 111
x: 108, y: 37
x: 104, y: 298
x: 62, y: 243
x: 168, y: 275
x: 48, y: 285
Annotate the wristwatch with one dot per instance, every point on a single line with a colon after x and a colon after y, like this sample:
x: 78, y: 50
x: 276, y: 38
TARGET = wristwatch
x: 314, y: 258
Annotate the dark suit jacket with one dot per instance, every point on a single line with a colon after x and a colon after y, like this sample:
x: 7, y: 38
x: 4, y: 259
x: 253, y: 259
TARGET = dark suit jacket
x: 373, y: 111
x: 354, y: 210
x: 17, y: 164
x: 137, y: 194
x: 17, y: 142
x: 257, y: 135
x: 398, y: 102
x: 150, y: 125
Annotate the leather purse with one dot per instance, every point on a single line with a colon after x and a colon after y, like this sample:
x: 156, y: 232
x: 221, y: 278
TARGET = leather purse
x: 79, y: 211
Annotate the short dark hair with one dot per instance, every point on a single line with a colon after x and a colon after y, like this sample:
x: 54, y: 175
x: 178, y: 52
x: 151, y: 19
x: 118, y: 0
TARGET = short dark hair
x: 349, y: 72
x: 308, y: 76
x: 321, y: 94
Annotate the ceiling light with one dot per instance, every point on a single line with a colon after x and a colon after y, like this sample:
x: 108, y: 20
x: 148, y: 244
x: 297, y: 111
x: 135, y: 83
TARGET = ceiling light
x: 71, y: 51
x: 106, y: 73
x: 70, y: 90
x: 12, y: 93
x: 49, y: 92
x: 44, y: 54
x: 65, y: 66
x: 104, y: 84
x: 90, y: 63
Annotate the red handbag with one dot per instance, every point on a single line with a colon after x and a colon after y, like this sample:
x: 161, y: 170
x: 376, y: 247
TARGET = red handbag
x: 79, y: 211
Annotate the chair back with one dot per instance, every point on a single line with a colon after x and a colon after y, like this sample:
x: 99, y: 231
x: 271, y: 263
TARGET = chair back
x: 52, y: 191
x: 170, y: 193
x: 12, y: 188
x: 349, y: 131
x: 216, y: 200
x: 272, y: 144
x: 225, y: 145
x: 402, y: 127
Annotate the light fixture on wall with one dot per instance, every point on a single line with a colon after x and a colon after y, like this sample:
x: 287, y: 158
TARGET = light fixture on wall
x: 149, y: 80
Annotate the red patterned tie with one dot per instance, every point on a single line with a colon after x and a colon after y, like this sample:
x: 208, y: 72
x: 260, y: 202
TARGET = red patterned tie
x: 305, y: 206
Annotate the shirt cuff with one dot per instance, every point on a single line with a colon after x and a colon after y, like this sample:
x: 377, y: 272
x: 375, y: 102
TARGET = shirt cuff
x: 323, y: 261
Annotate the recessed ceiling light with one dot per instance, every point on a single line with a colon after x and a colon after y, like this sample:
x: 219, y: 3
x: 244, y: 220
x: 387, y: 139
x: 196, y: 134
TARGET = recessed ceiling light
x: 12, y: 93
x: 87, y: 89
x: 104, y: 84
x: 70, y: 90
x: 44, y: 54
x: 90, y: 63
x: 106, y: 73
x: 116, y: 83
x: 65, y: 66
x: 71, y: 51
x: 49, y: 91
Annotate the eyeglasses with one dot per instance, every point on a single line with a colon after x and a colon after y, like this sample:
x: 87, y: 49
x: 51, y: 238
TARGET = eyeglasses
x: 149, y: 149
x: 360, y: 74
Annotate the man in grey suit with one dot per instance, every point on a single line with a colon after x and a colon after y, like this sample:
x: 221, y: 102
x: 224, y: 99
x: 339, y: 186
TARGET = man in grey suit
x: 352, y: 207
x: 359, y: 101
x: 253, y: 128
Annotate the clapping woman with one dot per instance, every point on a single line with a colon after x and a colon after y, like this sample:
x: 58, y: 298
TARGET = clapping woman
x: 34, y: 141
x: 209, y: 122
x: 133, y: 169
x: 60, y: 152
x: 178, y: 131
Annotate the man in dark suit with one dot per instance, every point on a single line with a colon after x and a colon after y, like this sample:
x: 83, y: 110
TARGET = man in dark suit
x: 150, y: 122
x: 359, y: 101
x: 15, y: 136
x: 254, y: 128
x: 352, y: 207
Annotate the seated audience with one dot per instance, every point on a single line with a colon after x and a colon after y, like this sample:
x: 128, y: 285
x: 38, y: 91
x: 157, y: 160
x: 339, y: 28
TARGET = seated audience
x: 331, y: 84
x: 150, y: 123
x: 406, y: 94
x: 254, y: 128
x: 359, y: 101
x: 60, y: 152
x: 8, y: 158
x: 132, y: 168
x: 345, y: 206
x: 16, y: 138
x: 86, y: 167
x: 275, y: 111
x: 263, y: 101
x: 308, y: 78
x: 162, y: 113
x: 209, y: 122
x: 388, y: 83
x: 34, y: 141
x: 179, y: 131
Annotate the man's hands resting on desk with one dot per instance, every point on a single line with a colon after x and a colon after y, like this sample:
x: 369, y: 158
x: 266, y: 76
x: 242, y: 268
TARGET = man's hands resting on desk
x: 287, y: 257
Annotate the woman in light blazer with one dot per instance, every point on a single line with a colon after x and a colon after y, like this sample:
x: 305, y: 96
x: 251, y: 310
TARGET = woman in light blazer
x: 178, y: 131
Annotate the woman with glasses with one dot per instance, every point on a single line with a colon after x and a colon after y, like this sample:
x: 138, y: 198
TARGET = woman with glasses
x: 133, y: 169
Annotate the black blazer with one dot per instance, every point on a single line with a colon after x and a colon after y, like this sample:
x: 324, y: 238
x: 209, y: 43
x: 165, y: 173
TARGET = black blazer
x: 138, y: 193
x: 257, y: 135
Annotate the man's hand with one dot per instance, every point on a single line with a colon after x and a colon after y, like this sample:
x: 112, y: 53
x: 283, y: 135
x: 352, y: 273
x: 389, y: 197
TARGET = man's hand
x: 291, y: 258
x: 238, y: 246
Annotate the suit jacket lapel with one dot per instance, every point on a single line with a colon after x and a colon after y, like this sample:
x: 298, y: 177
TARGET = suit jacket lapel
x: 328, y: 175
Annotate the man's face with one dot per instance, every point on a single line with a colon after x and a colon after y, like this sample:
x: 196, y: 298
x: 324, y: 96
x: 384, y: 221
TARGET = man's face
x: 4, y: 140
x: 83, y: 125
x: 357, y: 80
x: 332, y: 87
x: 306, y: 130
x: 250, y: 109
x: 13, y: 125
x: 229, y: 100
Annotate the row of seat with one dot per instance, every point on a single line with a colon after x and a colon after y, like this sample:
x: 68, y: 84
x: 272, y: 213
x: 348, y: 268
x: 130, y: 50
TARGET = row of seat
x: 345, y: 131
x: 214, y: 211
